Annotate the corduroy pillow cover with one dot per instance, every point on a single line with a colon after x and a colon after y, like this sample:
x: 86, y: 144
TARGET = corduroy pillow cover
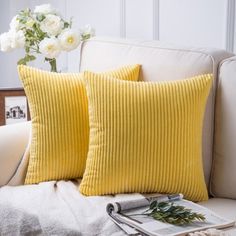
x: 60, y: 129
x: 145, y: 136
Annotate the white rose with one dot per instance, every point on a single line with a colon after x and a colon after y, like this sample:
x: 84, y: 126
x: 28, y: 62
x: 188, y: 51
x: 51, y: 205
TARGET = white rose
x: 15, y: 24
x: 50, y: 47
x: 88, y: 31
x: 17, y: 39
x: 69, y: 39
x: 52, y: 25
x: 5, y: 42
x: 44, y: 9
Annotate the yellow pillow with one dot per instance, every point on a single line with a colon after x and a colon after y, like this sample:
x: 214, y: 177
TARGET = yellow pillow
x: 60, y: 129
x: 146, y: 137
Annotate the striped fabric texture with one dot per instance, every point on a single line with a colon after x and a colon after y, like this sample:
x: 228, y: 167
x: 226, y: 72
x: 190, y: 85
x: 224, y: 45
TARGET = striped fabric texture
x: 60, y: 124
x: 146, y: 136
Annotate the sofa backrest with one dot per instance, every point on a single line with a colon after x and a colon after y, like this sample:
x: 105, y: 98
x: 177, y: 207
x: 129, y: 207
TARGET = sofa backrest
x: 159, y: 62
x: 223, y: 179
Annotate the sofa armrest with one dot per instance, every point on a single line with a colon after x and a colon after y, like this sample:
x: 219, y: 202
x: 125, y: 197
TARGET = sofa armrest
x: 13, y: 142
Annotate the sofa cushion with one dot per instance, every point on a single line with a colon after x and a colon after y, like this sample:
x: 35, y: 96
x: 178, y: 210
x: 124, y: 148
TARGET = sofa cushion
x: 222, y: 206
x: 160, y: 62
x: 223, y: 179
x: 225, y: 208
x: 13, y: 143
x: 18, y: 178
x: 60, y: 127
x: 145, y: 137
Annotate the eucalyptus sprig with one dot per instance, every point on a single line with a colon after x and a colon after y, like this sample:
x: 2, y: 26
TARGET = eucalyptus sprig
x: 168, y: 212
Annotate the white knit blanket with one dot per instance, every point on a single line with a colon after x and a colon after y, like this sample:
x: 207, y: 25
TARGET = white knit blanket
x: 55, y: 208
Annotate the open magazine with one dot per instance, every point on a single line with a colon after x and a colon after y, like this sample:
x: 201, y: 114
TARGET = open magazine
x: 126, y: 215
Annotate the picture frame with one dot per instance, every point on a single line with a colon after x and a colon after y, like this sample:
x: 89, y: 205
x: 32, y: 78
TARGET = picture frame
x: 15, y: 109
x: 13, y: 106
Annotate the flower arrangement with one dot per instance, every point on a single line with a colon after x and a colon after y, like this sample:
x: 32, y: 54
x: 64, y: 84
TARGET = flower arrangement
x: 42, y: 31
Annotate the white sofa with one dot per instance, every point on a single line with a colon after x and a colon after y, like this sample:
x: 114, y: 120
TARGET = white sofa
x: 58, y: 208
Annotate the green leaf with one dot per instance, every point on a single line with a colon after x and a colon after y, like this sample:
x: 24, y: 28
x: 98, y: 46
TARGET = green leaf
x: 153, y: 204
x: 30, y: 58
x: 22, y: 61
x: 26, y: 59
x: 22, y: 21
x: 40, y: 17
x: 27, y: 49
x: 66, y: 25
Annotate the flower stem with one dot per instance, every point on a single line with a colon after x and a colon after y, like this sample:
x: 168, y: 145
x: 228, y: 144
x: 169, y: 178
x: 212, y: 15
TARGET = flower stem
x: 53, y: 64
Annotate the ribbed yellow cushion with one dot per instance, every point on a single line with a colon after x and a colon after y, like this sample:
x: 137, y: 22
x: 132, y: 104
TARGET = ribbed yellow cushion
x: 146, y: 137
x: 60, y: 129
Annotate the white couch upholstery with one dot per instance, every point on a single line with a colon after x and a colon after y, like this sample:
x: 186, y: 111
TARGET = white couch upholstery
x: 159, y: 62
x: 223, y: 183
x: 13, y: 143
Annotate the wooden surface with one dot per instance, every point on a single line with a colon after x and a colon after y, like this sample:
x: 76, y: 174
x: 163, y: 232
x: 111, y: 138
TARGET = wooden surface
x: 5, y: 92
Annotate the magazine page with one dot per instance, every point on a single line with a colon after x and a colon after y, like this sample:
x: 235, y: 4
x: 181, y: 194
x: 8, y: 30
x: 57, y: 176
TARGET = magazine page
x: 131, y: 214
x: 143, y: 202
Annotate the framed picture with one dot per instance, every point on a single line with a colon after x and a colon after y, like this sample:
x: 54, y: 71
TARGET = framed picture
x: 15, y: 109
x: 13, y: 106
